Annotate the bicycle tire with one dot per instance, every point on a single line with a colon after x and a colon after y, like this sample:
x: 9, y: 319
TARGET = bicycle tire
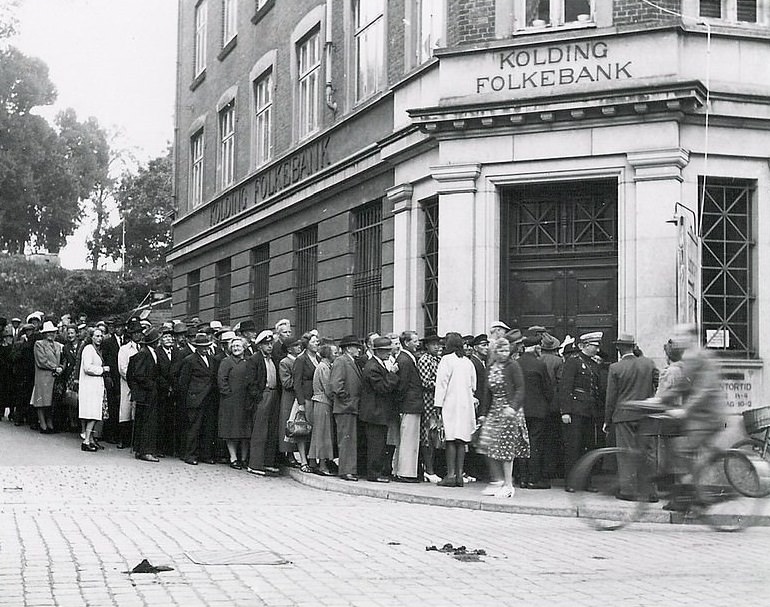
x: 754, y: 480
x: 721, y: 505
x: 590, y: 511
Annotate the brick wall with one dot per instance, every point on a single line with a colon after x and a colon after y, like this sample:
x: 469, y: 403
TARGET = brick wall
x: 396, y: 43
x: 625, y: 12
x: 470, y: 21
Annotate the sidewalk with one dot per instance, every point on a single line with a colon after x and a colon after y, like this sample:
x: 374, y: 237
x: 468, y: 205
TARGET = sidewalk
x: 544, y: 502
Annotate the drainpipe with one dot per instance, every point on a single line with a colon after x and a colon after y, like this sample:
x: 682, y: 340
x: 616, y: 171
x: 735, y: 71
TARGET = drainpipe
x: 328, y: 48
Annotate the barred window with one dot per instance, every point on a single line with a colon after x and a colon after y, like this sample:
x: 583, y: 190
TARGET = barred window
x: 369, y: 22
x: 222, y: 292
x: 263, y: 118
x: 367, y: 273
x: 196, y: 169
x: 193, y: 293
x: 308, y: 74
x: 430, y: 257
x: 306, y: 277
x: 726, y: 266
x: 260, y: 283
x: 227, y: 145
x: 199, y: 59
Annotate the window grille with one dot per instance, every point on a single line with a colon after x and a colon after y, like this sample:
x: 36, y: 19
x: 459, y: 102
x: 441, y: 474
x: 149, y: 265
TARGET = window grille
x: 260, y: 283
x: 367, y: 275
x: 369, y: 21
x: 430, y: 257
x: 199, y: 59
x: 227, y: 145
x: 263, y: 118
x: 193, y: 293
x: 306, y: 277
x: 308, y: 72
x: 726, y: 265
x: 196, y: 169
x: 222, y: 292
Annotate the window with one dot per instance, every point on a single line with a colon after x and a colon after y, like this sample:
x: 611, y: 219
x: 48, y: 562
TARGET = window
x: 200, y: 38
x: 369, y: 23
x: 552, y: 13
x: 430, y: 256
x: 429, y: 20
x: 259, y: 282
x: 193, y: 293
x: 263, y: 117
x: 726, y: 265
x: 308, y: 74
x: 367, y: 273
x: 196, y: 169
x: 730, y: 10
x: 222, y: 293
x: 227, y: 145
x: 229, y: 20
x: 306, y: 277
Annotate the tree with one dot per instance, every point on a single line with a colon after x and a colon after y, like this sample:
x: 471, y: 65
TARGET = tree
x: 144, y: 201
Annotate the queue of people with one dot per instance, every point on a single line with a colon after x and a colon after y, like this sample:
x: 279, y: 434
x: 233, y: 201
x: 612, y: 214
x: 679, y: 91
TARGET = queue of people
x: 518, y: 408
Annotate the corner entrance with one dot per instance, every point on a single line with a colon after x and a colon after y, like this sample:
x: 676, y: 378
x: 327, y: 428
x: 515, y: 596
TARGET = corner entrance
x: 560, y: 257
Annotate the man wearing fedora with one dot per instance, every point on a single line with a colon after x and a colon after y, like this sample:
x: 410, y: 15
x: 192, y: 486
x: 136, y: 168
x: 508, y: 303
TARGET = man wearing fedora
x: 631, y: 378
x: 580, y: 401
x: 143, y: 378
x: 126, y: 410
x: 197, y: 393
x: 345, y: 381
x: 263, y: 449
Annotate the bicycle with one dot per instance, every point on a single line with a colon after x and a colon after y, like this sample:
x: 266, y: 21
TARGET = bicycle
x: 724, y: 490
x: 756, y: 421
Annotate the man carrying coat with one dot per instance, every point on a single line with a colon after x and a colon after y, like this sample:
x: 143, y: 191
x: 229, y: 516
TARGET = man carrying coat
x: 142, y: 376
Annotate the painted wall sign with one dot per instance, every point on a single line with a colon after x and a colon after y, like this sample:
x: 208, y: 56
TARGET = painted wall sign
x: 741, y: 389
x: 293, y: 169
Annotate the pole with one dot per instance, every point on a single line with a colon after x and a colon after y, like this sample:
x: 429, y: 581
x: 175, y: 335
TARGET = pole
x: 123, y: 249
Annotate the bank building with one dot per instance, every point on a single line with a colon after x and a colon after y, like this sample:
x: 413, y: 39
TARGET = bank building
x: 362, y: 165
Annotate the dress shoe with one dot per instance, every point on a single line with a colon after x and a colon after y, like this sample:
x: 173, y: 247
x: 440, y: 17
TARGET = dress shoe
x: 121, y: 446
x: 349, y: 477
x: 652, y: 498
x: 592, y: 489
x: 569, y: 489
x: 272, y: 470
x: 147, y: 457
x: 236, y: 465
x: 539, y: 485
x: 625, y: 497
x: 160, y: 455
x: 406, y: 479
x: 87, y: 447
x: 431, y: 478
x: 256, y: 471
x: 209, y: 460
x: 189, y: 460
x: 379, y: 479
x: 448, y: 481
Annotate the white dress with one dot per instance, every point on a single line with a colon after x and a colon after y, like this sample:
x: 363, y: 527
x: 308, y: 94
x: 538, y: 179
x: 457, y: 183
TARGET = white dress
x: 455, y: 383
x: 90, y: 385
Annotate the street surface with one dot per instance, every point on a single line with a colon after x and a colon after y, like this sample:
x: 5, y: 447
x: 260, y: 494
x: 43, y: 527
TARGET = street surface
x: 72, y: 524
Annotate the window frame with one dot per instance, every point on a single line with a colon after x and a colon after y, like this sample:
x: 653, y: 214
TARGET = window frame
x: 193, y: 293
x: 229, y: 21
x: 366, y: 231
x: 436, y: 31
x: 376, y: 24
x: 226, y: 152
x: 262, y: 115
x: 259, y: 284
x: 306, y: 277
x: 223, y: 290
x: 200, y: 27
x: 197, y: 168
x: 729, y: 13
x: 308, y: 84
x: 429, y: 208
x: 556, y: 18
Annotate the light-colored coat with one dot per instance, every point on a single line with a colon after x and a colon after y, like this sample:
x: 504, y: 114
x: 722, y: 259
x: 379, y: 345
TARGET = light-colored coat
x: 124, y: 355
x: 91, y: 384
x: 47, y: 356
x: 455, y: 384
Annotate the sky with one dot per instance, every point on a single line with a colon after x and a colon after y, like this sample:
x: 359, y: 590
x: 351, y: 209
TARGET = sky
x: 111, y: 59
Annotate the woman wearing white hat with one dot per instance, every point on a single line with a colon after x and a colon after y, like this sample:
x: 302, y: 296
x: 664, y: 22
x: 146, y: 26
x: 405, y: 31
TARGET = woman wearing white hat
x: 48, y: 367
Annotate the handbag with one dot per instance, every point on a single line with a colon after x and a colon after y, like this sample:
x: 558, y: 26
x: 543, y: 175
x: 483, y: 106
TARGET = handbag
x: 298, y: 427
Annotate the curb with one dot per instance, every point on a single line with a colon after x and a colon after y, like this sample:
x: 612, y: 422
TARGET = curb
x: 387, y: 492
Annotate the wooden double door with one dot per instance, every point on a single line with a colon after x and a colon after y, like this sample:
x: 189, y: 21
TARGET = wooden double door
x: 560, y: 265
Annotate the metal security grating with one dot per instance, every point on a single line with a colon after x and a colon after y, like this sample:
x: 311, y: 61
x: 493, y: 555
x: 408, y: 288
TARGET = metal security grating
x: 367, y: 274
x: 260, y: 282
x: 430, y: 257
x: 726, y: 265
x: 223, y: 292
x: 306, y: 277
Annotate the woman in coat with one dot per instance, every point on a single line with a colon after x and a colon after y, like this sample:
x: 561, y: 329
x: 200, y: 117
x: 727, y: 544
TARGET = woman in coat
x: 302, y: 380
x: 92, y: 394
x: 455, y: 383
x: 47, y: 353
x: 321, y: 443
x: 235, y: 378
x: 286, y: 377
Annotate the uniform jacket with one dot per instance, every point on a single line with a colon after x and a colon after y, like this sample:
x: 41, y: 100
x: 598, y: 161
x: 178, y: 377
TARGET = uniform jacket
x: 378, y: 394
x: 303, y: 377
x: 409, y: 399
x: 579, y: 391
x: 346, y: 385
x: 197, y: 381
x: 142, y: 377
x: 538, y: 388
x: 631, y: 378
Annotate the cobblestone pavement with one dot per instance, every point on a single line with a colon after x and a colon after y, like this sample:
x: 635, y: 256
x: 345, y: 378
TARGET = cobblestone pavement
x: 72, y: 524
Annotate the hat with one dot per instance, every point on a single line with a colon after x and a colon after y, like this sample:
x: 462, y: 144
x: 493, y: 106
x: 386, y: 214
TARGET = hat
x: 514, y: 336
x: 431, y: 339
x: 266, y: 336
x: 349, y: 340
x: 16, y: 319
x: 48, y: 327
x: 81, y: 326
x: 594, y: 337
x: 215, y: 324
x: 625, y: 338
x: 531, y: 340
x: 237, y: 326
x: 166, y: 330
x: 382, y: 343
x: 227, y: 336
x: 537, y: 329
x: 248, y: 325
x: 549, y: 343
x: 201, y: 341
x: 134, y: 326
x: 499, y: 324
x: 26, y: 327
x: 101, y: 323
x: 222, y: 329
x: 32, y: 315
x: 291, y: 342
x: 480, y: 339
x: 468, y: 339
x: 179, y: 327
x: 150, y: 337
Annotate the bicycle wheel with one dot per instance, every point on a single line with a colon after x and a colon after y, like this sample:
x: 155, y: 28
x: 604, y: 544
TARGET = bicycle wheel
x: 596, y: 471
x: 718, y: 503
x: 751, y: 480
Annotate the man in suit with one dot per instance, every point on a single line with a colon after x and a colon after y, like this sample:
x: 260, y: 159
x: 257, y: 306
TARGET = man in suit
x: 197, y: 391
x: 248, y: 331
x: 110, y: 347
x: 378, y: 391
x: 409, y: 399
x: 143, y: 381
x: 126, y: 409
x: 345, y: 383
x: 166, y: 353
x: 631, y: 378
x: 263, y: 450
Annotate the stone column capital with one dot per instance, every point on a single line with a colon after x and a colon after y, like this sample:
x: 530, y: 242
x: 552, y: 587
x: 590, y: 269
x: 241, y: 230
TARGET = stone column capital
x: 456, y: 178
x: 401, y: 197
x: 666, y: 163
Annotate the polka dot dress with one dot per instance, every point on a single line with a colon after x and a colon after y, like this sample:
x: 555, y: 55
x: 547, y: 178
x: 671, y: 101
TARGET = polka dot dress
x: 502, y: 438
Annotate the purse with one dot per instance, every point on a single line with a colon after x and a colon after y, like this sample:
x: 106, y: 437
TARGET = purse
x: 298, y: 427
